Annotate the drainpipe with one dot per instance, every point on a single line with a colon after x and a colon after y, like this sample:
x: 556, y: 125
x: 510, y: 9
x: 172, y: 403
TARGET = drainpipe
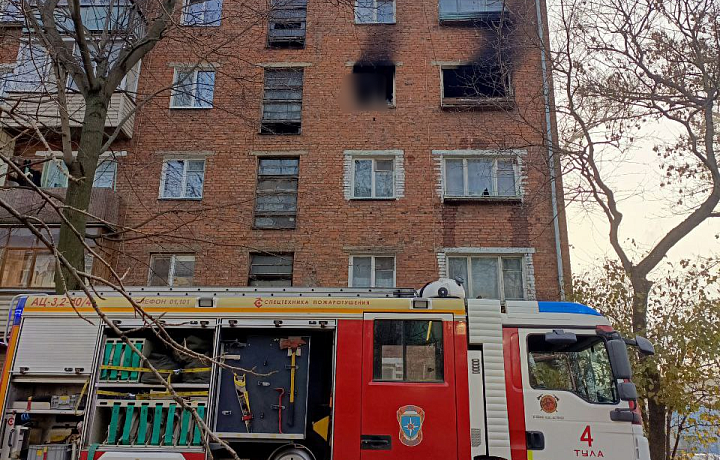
x: 551, y: 151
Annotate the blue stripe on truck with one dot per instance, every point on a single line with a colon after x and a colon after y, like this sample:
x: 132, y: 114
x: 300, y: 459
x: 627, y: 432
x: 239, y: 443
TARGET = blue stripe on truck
x: 567, y: 307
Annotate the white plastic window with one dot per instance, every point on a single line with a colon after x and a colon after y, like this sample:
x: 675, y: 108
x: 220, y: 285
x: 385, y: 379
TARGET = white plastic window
x: 480, y: 177
x: 490, y: 277
x: 171, y: 270
x: 373, y: 178
x: 202, y: 12
x: 182, y: 179
x: 372, y: 271
x: 193, y: 89
x: 375, y: 11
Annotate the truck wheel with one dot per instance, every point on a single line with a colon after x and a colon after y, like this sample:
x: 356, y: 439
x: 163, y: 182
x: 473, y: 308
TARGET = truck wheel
x: 292, y: 452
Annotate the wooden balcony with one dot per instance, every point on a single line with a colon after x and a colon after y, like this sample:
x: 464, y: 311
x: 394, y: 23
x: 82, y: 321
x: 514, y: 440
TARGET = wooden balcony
x: 104, y: 205
x: 41, y: 108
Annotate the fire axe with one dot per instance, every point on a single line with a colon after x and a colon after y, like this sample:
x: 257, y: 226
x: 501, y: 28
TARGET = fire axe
x: 292, y: 345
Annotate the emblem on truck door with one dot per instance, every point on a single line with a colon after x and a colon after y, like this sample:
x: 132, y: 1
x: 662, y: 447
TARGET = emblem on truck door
x: 410, y: 419
x: 548, y: 403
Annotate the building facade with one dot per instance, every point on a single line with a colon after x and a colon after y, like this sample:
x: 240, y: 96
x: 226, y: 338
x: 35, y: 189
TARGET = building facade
x: 373, y: 143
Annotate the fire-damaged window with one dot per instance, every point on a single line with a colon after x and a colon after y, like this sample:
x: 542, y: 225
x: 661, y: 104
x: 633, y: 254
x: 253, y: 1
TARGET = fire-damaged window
x: 374, y: 84
x: 171, y: 270
x: 483, y: 84
x: 271, y: 269
x: 276, y: 195
x: 470, y: 10
x: 282, y: 101
x: 582, y: 368
x: 286, y: 27
x: 408, y: 350
x: 374, y: 11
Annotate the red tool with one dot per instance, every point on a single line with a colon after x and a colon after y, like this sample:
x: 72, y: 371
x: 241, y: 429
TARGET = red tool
x: 280, y: 407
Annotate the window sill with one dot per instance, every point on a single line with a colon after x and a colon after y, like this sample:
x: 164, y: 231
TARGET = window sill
x: 199, y: 25
x: 482, y: 199
x: 463, y: 19
x: 273, y: 228
x: 172, y: 107
x: 163, y: 198
x: 375, y: 23
x: 490, y: 103
x: 389, y: 198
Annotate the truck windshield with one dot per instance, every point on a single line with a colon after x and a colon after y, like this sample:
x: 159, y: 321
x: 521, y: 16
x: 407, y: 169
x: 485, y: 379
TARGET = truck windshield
x: 582, y: 368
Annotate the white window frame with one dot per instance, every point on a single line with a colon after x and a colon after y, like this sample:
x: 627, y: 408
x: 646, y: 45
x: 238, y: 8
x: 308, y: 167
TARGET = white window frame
x: 184, y: 16
x: 493, y: 178
x: 186, y: 161
x: 372, y: 257
x: 397, y: 157
x: 375, y: 14
x: 515, y: 156
x: 501, y: 281
x: 56, y: 155
x: 372, y: 178
x: 173, y: 260
x: 194, y: 83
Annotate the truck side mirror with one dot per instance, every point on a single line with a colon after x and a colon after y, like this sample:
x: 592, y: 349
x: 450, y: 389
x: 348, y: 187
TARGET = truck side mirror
x: 645, y: 346
x: 627, y: 391
x: 617, y: 351
x: 559, y: 337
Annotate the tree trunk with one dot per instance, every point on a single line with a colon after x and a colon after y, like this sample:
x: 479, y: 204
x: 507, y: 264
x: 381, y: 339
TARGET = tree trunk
x: 657, y: 411
x: 82, y: 173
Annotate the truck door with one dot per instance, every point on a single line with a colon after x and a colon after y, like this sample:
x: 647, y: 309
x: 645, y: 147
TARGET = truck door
x: 408, y: 391
x: 569, y: 393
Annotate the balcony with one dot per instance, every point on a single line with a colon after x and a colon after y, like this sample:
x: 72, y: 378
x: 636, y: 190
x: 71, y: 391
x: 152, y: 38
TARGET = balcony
x: 104, y: 205
x: 42, y: 108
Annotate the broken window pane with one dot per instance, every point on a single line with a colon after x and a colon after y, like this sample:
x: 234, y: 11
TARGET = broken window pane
x: 286, y: 27
x: 271, y: 269
x: 477, y: 81
x: 374, y: 84
x: 276, y: 193
x: 282, y: 101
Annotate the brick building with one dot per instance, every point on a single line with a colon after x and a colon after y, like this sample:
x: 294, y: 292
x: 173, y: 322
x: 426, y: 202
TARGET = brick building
x: 380, y: 143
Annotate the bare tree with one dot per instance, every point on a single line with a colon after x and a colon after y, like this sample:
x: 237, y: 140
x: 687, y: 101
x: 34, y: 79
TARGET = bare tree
x: 619, y: 68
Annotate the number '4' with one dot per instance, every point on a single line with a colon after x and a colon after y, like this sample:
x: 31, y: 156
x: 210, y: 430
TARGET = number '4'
x: 586, y: 436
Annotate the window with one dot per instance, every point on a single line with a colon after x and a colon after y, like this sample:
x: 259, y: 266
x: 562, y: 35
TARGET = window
x: 193, y: 89
x: 171, y: 270
x: 408, y: 351
x: 282, y: 101
x: 372, y: 271
x: 26, y: 262
x: 468, y: 10
x: 55, y: 174
x: 374, y: 11
x: 271, y: 270
x: 582, y: 368
x: 482, y: 84
x: 480, y: 178
x: 374, y: 85
x: 201, y: 12
x: 182, y: 179
x: 490, y: 277
x: 276, y: 194
x: 286, y: 27
x: 373, y: 178
x: 6, y: 74
x: 32, y: 71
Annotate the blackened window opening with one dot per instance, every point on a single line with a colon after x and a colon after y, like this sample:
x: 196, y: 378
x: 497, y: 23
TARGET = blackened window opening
x: 475, y: 82
x: 286, y: 26
x: 374, y: 84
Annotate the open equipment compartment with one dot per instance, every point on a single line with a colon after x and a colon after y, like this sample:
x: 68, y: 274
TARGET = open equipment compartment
x: 132, y: 409
x: 259, y: 424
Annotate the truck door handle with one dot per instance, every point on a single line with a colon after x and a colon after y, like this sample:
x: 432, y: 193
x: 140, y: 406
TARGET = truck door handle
x: 375, y: 442
x: 535, y: 440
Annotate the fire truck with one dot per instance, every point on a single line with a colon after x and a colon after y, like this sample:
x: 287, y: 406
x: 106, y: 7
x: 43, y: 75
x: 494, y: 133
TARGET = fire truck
x: 315, y: 374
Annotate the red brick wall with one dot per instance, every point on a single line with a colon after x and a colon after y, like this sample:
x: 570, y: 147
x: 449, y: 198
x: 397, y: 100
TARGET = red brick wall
x: 329, y: 228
